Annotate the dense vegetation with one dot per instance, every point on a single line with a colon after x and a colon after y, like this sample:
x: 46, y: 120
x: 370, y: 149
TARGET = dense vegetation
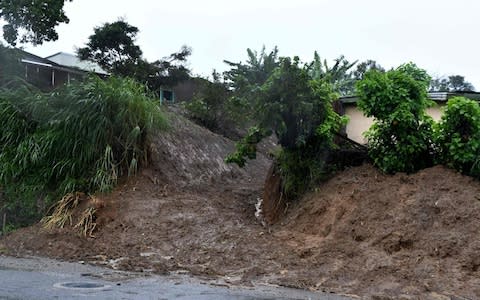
x: 457, y: 136
x: 400, y: 138
x: 226, y: 104
x: 294, y: 102
x: 82, y: 137
x: 113, y: 46
x: 298, y: 110
x: 403, y: 138
x: 31, y: 21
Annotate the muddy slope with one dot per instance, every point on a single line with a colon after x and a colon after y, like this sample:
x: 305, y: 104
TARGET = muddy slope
x: 362, y: 232
x: 391, y: 235
x: 189, y: 156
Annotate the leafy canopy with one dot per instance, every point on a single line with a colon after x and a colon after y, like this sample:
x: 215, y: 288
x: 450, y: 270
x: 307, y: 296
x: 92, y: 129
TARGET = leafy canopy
x: 256, y: 70
x: 457, y: 136
x: 244, y: 78
x: 400, y: 138
x: 31, y: 21
x: 11, y: 67
x: 167, y: 71
x: 339, y: 75
x: 298, y: 109
x: 364, y: 67
x: 113, y: 47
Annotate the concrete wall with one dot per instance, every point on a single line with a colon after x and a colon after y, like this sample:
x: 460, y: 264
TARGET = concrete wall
x: 358, y: 123
x: 436, y: 111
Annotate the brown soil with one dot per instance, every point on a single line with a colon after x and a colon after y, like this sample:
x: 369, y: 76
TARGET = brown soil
x: 273, y: 204
x: 363, y: 233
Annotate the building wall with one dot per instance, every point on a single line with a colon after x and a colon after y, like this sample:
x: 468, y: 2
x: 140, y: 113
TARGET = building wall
x: 358, y: 123
x: 436, y: 111
x: 185, y: 91
x: 39, y: 76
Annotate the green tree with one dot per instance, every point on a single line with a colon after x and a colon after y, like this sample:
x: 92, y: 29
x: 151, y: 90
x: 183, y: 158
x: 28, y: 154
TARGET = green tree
x: 256, y: 70
x: 343, y: 75
x: 244, y: 78
x: 400, y: 138
x: 457, y: 136
x: 339, y: 75
x: 364, y: 67
x: 168, y: 71
x: 113, y: 47
x: 453, y: 83
x: 31, y: 21
x: 298, y: 109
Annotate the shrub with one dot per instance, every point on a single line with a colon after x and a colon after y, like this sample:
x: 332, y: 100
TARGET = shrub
x: 299, y: 111
x: 79, y: 138
x: 400, y: 138
x: 208, y: 107
x: 457, y: 136
x: 303, y: 167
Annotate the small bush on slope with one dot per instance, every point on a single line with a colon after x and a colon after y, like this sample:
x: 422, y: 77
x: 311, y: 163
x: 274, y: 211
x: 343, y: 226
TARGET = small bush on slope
x: 80, y: 138
x: 400, y: 140
x: 457, y: 136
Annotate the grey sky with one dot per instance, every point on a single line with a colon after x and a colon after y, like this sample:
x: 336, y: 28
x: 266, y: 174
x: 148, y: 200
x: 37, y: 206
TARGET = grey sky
x: 438, y: 35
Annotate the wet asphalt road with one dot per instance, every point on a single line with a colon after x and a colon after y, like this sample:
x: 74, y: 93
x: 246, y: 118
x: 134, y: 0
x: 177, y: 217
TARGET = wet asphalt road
x: 40, y: 278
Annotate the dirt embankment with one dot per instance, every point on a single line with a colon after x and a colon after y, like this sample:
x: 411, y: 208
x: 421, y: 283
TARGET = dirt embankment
x: 362, y: 232
x: 402, y: 235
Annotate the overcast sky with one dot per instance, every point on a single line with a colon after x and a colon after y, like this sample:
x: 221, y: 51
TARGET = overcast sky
x: 438, y: 35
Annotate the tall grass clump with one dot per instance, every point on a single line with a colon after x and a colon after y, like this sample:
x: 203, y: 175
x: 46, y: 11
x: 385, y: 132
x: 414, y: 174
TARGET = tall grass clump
x: 80, y: 138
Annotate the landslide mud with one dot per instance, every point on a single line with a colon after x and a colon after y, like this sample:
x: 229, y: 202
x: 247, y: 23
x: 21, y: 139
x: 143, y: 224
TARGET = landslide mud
x: 362, y: 232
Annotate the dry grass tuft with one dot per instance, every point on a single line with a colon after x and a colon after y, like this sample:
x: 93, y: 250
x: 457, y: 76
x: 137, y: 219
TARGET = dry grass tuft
x: 86, y: 224
x: 64, y: 214
x: 63, y: 211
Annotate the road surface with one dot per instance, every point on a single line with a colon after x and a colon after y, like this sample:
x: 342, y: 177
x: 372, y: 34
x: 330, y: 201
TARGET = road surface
x: 41, y: 278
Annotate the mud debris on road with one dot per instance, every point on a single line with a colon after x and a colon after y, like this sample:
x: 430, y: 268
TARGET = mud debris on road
x: 362, y: 232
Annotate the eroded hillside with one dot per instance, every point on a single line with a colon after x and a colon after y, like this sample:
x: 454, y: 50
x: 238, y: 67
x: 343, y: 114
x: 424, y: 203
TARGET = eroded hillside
x: 362, y: 232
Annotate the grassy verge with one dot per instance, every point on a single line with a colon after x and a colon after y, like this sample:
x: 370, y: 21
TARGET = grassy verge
x: 80, y: 138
